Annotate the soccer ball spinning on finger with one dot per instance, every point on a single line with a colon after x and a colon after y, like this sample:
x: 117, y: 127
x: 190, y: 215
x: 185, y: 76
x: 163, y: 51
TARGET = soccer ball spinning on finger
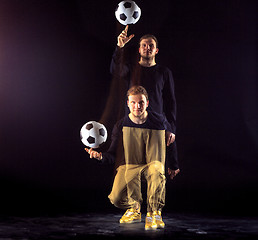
x: 127, y: 12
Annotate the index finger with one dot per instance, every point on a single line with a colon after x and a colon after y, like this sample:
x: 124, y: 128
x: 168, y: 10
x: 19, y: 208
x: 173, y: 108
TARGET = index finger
x: 88, y: 150
x: 126, y: 28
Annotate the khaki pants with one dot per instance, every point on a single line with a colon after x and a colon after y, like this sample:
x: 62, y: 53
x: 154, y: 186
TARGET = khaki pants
x: 118, y: 195
x: 144, y: 155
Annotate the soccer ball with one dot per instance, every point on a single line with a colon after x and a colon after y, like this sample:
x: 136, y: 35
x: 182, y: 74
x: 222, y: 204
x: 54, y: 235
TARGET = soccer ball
x: 93, y: 134
x: 127, y: 12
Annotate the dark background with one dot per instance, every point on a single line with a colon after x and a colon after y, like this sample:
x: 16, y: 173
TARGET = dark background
x: 54, y: 77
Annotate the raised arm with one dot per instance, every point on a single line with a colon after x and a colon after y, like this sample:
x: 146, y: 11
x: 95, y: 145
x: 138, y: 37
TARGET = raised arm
x: 119, y: 64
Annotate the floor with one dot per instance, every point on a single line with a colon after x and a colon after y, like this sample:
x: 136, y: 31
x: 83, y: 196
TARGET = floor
x: 106, y: 226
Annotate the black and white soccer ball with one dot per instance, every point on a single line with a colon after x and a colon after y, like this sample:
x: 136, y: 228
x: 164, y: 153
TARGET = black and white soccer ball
x: 127, y: 12
x: 93, y: 134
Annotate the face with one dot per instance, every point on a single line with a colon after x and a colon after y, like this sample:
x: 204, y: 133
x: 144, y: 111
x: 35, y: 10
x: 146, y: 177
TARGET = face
x: 148, y: 48
x: 137, y: 104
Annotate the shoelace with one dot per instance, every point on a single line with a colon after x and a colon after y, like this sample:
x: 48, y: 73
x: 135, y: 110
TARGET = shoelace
x: 129, y: 213
x: 157, y: 217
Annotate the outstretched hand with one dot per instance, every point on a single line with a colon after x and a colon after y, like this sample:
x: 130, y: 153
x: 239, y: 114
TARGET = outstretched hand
x: 122, y: 39
x: 173, y: 173
x: 94, y: 154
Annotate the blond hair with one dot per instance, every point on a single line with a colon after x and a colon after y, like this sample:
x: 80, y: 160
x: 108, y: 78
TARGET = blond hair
x: 135, y: 90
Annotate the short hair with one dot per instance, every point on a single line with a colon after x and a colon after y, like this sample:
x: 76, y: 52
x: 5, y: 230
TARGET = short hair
x: 135, y: 90
x: 146, y: 36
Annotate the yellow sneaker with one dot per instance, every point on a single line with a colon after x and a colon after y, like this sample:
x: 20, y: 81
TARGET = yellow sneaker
x: 157, y: 216
x: 131, y: 216
x: 150, y: 222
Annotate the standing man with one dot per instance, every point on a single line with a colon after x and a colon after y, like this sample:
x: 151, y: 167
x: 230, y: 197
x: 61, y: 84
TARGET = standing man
x: 156, y: 79
x: 143, y: 134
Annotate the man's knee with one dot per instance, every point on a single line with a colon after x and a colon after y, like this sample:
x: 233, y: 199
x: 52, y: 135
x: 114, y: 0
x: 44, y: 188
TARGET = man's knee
x: 118, y: 200
x: 115, y: 200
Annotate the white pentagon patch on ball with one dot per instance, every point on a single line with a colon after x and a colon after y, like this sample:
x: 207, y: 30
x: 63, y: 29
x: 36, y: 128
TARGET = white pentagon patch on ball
x: 93, y: 134
x: 127, y: 12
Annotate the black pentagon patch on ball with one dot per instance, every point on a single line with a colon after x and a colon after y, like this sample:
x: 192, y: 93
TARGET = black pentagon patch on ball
x: 91, y: 139
x: 123, y: 17
x: 135, y: 14
x: 89, y: 126
x: 102, y: 132
x: 127, y: 4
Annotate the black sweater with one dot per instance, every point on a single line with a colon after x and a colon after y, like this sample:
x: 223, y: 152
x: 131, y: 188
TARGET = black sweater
x: 157, y: 80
